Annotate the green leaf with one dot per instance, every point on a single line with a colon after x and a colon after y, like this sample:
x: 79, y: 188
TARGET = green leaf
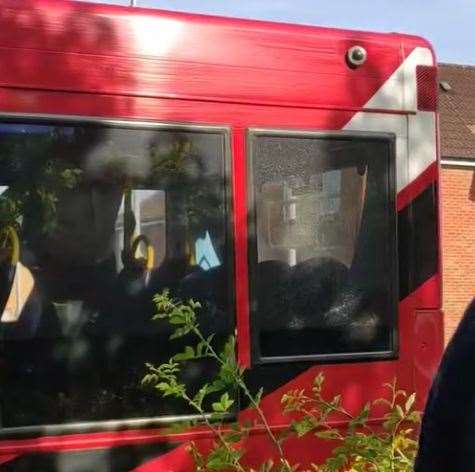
x: 149, y: 379
x: 361, y: 418
x: 223, y: 405
x: 414, y: 416
x: 217, y: 385
x: 201, y: 394
x: 258, y: 396
x: 389, y: 424
x: 318, y: 382
x: 336, y: 401
x: 382, y: 401
x: 163, y: 386
x: 187, y: 354
x: 304, y: 425
x: 267, y: 466
x: 179, y: 333
x: 410, y: 402
x: 233, y: 437
x: 222, y: 458
x: 179, y: 427
x: 328, y: 434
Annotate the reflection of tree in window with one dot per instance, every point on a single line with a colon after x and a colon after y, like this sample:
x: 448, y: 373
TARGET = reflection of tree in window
x: 105, y: 218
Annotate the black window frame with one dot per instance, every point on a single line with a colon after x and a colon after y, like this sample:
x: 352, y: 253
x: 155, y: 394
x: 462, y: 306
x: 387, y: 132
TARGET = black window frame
x: 81, y: 427
x: 392, y: 248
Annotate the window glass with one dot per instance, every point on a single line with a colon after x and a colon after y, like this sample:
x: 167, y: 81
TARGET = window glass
x: 323, y: 259
x: 94, y: 221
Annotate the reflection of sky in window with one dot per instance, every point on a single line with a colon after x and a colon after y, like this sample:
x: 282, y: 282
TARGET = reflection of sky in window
x: 14, y: 128
x: 132, y: 146
x: 25, y: 129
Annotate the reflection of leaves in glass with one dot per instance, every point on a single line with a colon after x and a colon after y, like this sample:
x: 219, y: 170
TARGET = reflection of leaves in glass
x: 172, y: 164
x: 36, y: 176
x: 10, y: 211
x: 197, y: 194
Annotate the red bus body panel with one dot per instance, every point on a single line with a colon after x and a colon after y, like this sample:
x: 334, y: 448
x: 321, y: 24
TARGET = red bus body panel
x: 90, y: 60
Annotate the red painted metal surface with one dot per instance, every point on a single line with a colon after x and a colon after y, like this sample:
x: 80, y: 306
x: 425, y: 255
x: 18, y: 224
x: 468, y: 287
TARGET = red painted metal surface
x: 240, y: 245
x: 97, y: 49
x: 416, y: 187
x: 178, y: 460
x: 7, y: 458
x: 69, y: 58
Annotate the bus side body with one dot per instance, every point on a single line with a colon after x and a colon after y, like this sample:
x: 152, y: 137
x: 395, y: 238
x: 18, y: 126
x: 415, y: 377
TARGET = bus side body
x: 290, y: 192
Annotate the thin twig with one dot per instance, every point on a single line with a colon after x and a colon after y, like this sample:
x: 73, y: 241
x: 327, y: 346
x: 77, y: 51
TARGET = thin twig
x: 246, y: 391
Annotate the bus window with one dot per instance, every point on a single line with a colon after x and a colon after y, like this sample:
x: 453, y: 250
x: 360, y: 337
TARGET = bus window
x: 323, y: 270
x: 94, y: 220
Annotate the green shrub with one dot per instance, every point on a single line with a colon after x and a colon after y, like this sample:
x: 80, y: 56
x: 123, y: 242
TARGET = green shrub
x: 360, y: 445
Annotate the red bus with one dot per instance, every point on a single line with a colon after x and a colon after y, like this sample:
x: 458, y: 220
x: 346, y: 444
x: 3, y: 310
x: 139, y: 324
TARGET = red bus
x: 284, y: 175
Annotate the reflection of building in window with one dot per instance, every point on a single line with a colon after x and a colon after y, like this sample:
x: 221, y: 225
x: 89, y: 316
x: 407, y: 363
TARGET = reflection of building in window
x: 320, y: 215
x: 331, y: 188
x: 149, y: 212
x: 324, y: 273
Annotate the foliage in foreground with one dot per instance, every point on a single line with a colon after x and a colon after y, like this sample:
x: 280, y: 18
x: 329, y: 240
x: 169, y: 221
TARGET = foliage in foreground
x: 360, y: 445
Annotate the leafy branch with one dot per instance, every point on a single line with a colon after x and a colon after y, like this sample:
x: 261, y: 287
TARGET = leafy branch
x: 182, y: 316
x: 360, y: 445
